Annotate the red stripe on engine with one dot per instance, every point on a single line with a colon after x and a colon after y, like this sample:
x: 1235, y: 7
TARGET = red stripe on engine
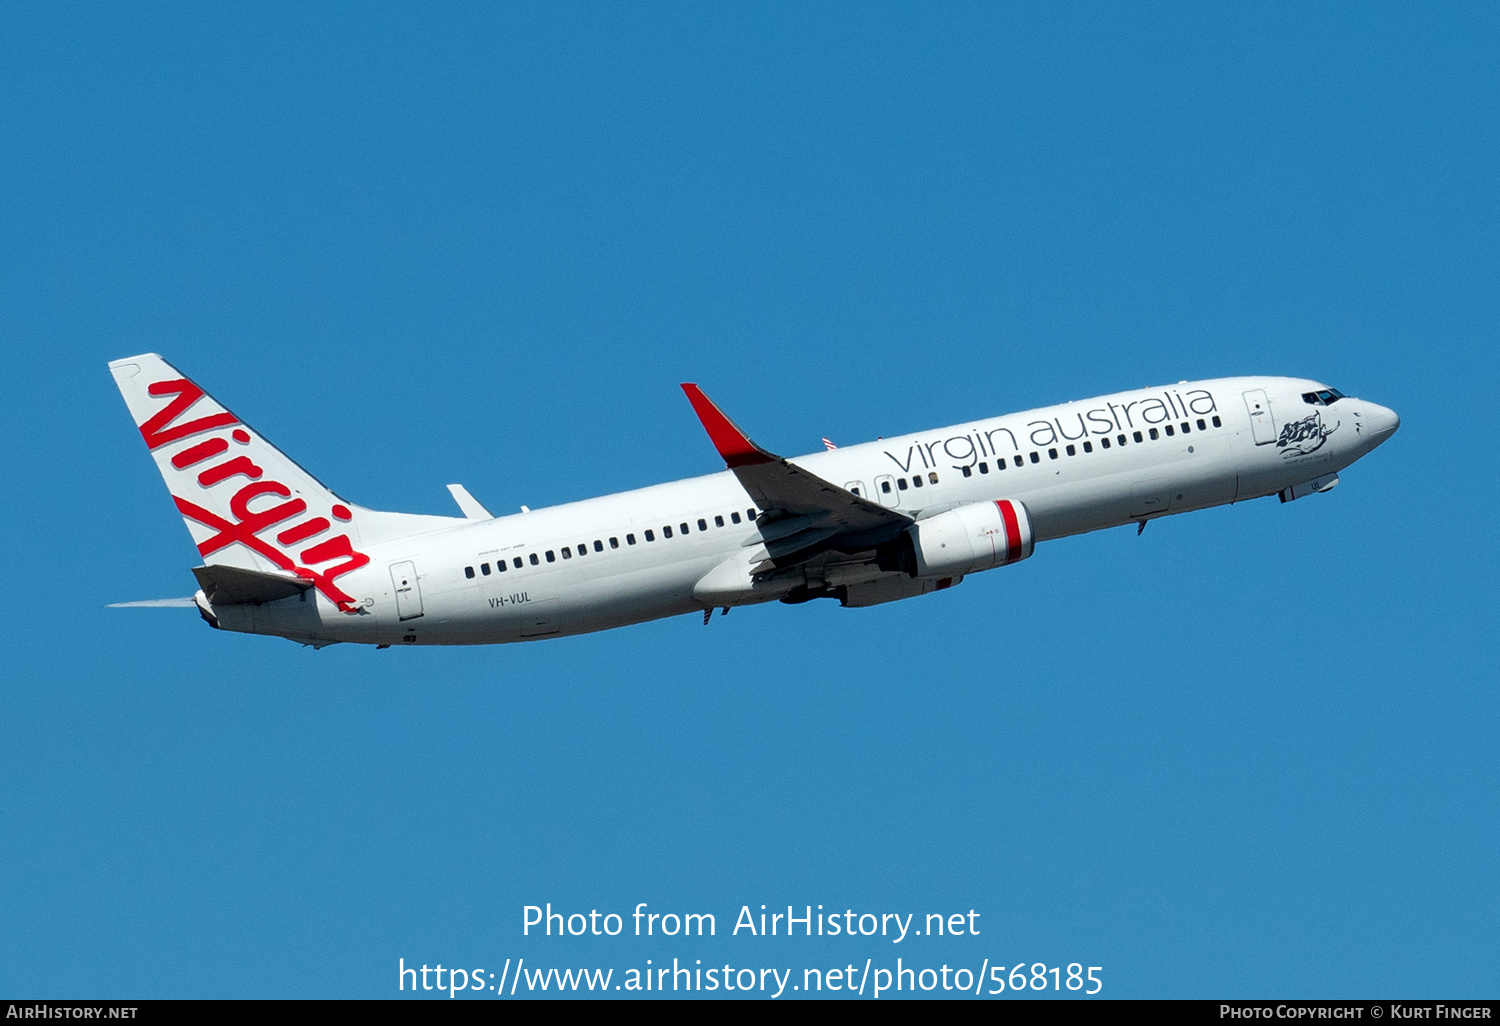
x: 1012, y: 530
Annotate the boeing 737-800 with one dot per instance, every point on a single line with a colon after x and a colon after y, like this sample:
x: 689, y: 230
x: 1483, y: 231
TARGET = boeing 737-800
x: 896, y: 518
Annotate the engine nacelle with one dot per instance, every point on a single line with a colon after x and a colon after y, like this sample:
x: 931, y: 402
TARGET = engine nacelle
x: 961, y: 541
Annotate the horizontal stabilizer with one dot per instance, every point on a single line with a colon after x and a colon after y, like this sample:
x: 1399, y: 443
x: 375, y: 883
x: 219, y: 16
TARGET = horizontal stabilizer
x: 230, y: 585
x: 472, y: 508
x: 173, y: 603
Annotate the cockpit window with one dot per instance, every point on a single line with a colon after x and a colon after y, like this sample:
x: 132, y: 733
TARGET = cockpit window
x: 1323, y: 397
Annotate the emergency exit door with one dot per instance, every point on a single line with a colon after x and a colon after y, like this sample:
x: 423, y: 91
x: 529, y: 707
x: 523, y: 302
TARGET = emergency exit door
x: 408, y: 594
x: 1262, y: 425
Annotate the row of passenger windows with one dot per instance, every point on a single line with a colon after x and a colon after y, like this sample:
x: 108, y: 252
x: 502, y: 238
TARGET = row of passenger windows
x: 901, y: 484
x: 1186, y: 427
x: 583, y: 548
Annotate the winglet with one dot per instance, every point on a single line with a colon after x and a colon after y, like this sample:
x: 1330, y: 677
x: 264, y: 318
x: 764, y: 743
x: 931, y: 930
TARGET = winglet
x: 733, y: 444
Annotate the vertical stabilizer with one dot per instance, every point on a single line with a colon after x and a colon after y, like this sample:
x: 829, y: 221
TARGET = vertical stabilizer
x: 245, y: 502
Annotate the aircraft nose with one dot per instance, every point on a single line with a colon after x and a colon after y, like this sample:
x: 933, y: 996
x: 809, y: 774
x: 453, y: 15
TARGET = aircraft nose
x: 1382, y: 422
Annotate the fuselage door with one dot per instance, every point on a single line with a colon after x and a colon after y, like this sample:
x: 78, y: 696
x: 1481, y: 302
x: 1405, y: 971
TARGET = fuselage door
x: 1262, y: 425
x: 1148, y: 497
x: 408, y: 594
x: 885, y: 490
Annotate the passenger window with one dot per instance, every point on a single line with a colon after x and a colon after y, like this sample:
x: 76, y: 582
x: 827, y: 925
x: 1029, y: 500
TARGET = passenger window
x: 1168, y: 430
x: 468, y: 571
x: 614, y: 543
x: 583, y: 548
x: 1154, y: 435
x: 1088, y: 446
x: 1072, y: 451
x: 1138, y: 437
x: 718, y: 521
x: 901, y: 483
x: 567, y: 552
x: 702, y: 524
x: 1217, y: 421
x: 630, y: 539
x: 984, y: 468
x: 534, y: 560
x: 735, y: 517
x: 1202, y: 426
x: 599, y: 545
x: 650, y: 536
x: 750, y: 513
x: 666, y: 532
x: 1036, y: 457
x: 1186, y: 428
x: 685, y: 531
x: 885, y: 487
x: 1121, y: 438
x: 500, y: 565
x: 551, y: 556
x: 1018, y: 460
x: 517, y: 562
x: 1103, y: 442
x: 484, y: 568
x: 932, y: 477
x: 1052, y: 454
x: 916, y: 482
x: 966, y: 471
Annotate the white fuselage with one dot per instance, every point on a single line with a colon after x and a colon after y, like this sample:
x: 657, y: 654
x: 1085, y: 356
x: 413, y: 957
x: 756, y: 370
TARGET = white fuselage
x: 638, y: 555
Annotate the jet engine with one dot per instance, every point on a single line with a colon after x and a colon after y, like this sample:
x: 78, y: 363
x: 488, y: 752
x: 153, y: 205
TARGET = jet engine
x: 961, y: 541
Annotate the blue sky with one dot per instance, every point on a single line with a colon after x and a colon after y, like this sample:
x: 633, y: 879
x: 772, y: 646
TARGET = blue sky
x: 1250, y: 753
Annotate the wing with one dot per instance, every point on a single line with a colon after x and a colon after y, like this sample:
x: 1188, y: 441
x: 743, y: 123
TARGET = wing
x: 802, y: 513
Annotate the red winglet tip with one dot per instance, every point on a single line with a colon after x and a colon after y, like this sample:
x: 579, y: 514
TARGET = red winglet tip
x: 733, y: 444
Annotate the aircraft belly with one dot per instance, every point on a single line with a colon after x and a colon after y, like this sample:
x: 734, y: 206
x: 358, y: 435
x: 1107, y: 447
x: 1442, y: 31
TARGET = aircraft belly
x: 649, y: 593
x: 1205, y: 477
x: 555, y: 605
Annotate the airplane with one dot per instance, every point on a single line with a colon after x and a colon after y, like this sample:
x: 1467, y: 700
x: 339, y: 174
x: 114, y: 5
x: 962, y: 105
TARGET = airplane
x: 865, y: 524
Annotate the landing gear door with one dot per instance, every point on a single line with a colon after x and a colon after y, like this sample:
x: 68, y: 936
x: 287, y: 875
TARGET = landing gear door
x: 408, y: 593
x: 1262, y: 425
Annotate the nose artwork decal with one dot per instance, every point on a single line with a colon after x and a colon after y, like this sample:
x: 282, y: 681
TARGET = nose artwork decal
x: 1305, y: 436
